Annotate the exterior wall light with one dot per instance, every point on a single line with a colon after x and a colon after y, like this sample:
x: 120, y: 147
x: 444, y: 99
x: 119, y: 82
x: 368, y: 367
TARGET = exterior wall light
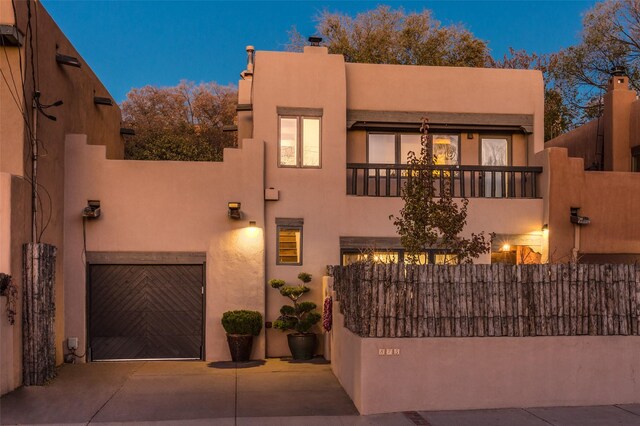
x: 506, y: 247
x: 234, y: 210
x: 252, y: 224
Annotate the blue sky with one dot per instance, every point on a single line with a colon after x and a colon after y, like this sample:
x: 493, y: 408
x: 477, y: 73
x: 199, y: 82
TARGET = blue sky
x: 134, y: 43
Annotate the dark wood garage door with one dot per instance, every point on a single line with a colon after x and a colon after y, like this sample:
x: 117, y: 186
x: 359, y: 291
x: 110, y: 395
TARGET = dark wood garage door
x: 145, y: 311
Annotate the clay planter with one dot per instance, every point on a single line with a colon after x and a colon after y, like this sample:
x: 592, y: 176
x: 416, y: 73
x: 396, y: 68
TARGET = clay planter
x: 302, y: 345
x: 240, y: 346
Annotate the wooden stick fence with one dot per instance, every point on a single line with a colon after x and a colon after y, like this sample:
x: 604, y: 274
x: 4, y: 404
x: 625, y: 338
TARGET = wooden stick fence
x: 397, y: 300
x: 38, y: 314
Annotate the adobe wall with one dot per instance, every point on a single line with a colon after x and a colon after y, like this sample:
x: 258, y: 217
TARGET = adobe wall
x: 76, y: 87
x: 169, y: 206
x: 316, y: 79
x: 448, y: 89
x: 582, y: 142
x: 607, y: 198
x: 484, y: 373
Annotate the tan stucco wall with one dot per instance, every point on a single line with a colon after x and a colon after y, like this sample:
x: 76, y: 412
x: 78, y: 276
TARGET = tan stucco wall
x: 581, y: 142
x: 481, y: 373
x: 607, y: 198
x: 448, y: 89
x: 319, y: 196
x: 154, y: 206
x: 76, y: 87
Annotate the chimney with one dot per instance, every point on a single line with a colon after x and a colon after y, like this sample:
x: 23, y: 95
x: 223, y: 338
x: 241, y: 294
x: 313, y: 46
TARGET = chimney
x: 248, y: 73
x: 619, y: 79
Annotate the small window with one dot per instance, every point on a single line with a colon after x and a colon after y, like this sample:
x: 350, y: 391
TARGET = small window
x: 289, y: 241
x: 299, y: 142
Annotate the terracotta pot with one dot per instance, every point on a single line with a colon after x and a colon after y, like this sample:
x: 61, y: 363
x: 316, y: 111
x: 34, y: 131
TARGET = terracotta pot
x: 302, y: 345
x: 240, y: 346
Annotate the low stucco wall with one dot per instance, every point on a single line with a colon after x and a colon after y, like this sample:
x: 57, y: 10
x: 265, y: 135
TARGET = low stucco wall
x: 170, y: 206
x: 481, y: 373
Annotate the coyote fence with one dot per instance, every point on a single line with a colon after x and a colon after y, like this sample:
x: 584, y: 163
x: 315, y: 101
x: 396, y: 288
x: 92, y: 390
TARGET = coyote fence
x: 397, y: 300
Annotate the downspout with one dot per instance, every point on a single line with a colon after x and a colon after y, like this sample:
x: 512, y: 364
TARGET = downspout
x: 576, y: 243
x: 34, y: 173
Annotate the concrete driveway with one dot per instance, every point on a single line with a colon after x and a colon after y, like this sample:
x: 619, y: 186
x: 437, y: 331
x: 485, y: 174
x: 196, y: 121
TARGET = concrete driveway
x: 272, y: 392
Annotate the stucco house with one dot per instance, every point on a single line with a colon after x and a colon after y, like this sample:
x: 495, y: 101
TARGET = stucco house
x: 316, y: 176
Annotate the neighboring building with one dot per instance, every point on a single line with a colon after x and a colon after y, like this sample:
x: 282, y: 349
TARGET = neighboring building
x: 77, y: 87
x: 598, y: 174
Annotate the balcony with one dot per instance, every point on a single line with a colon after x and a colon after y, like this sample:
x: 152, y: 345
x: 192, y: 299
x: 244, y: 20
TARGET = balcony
x: 387, y: 180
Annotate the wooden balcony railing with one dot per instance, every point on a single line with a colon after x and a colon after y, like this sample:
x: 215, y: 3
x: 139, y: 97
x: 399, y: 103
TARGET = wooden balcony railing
x: 387, y: 180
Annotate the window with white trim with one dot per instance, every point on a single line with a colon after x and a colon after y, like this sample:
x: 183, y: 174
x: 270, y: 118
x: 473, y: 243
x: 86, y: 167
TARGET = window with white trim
x: 299, y: 143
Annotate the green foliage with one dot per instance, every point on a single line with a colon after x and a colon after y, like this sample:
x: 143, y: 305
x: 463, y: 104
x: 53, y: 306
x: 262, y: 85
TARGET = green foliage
x: 304, y: 277
x: 391, y: 36
x: 276, y: 283
x: 298, y: 317
x: 242, y: 322
x: 180, y: 123
x: 432, y: 218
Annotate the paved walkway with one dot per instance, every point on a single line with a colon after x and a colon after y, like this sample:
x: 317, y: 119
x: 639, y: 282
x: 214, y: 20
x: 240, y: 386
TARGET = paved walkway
x: 275, y: 392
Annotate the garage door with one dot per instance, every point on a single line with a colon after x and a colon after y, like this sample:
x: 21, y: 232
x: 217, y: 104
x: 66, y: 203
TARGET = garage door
x: 145, y: 311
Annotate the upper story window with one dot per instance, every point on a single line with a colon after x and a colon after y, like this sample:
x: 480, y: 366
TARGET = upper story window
x: 394, y: 148
x: 299, y: 142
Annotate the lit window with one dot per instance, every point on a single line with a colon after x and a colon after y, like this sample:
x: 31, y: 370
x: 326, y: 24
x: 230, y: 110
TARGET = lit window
x: 446, y: 259
x: 394, y: 148
x: 299, y: 143
x: 289, y: 241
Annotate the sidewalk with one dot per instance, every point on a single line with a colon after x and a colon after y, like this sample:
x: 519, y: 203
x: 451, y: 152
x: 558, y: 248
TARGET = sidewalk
x: 275, y: 392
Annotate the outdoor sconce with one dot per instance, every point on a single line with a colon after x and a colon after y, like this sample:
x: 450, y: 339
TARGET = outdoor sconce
x: 98, y: 100
x: 577, y: 219
x: 67, y: 60
x: 545, y: 227
x: 252, y: 224
x: 234, y: 210
x: 92, y: 211
x: 127, y: 132
x: 506, y: 247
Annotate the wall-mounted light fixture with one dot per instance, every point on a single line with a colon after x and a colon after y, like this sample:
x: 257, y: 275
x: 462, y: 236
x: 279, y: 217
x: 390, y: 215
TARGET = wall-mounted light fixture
x: 99, y: 100
x: 505, y: 247
x: 70, y: 61
x: 469, y: 135
x: 545, y: 227
x: 576, y: 218
x: 92, y: 211
x: 252, y: 224
x: 234, y: 210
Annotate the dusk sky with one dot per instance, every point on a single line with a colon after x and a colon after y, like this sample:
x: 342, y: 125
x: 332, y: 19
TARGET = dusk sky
x: 134, y: 43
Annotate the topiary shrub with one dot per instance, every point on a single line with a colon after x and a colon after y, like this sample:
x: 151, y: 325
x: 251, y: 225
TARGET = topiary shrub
x: 298, y: 317
x: 242, y: 322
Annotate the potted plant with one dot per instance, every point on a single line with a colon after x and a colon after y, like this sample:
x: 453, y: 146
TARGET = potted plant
x: 241, y: 326
x: 299, y: 318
